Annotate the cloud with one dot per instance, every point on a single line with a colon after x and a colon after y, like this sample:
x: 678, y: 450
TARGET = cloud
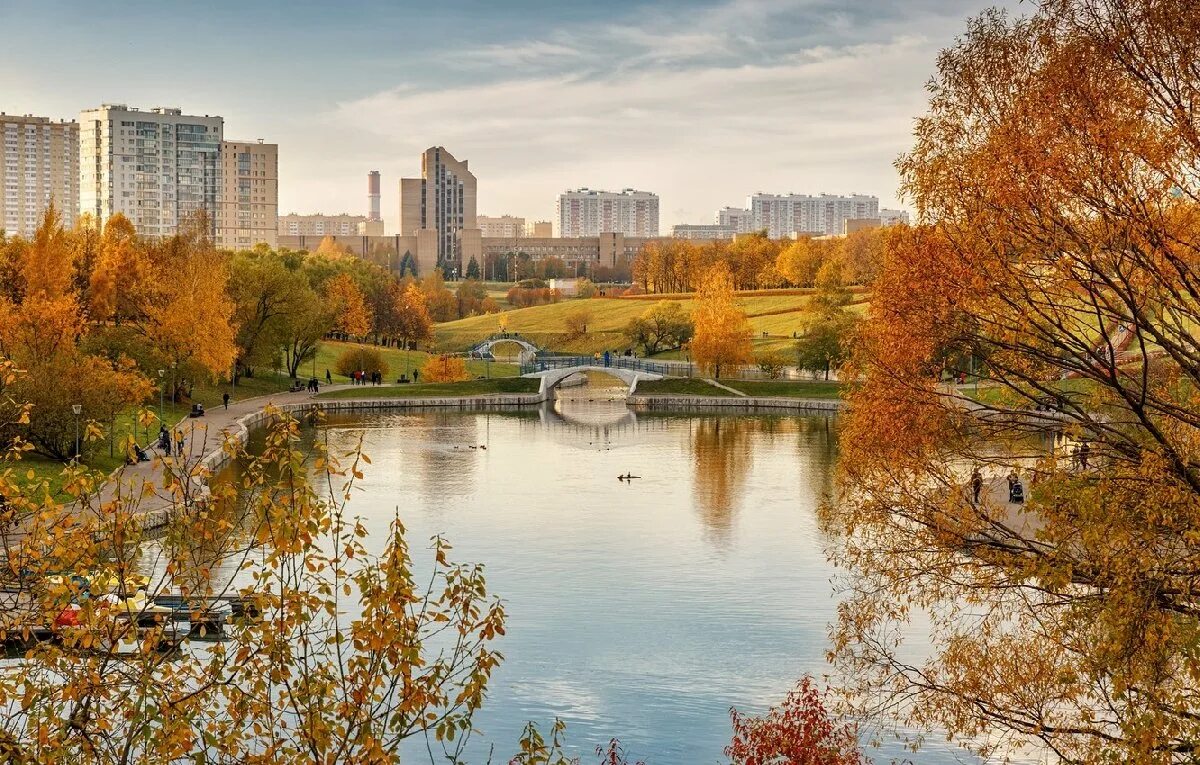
x: 703, y: 105
x: 702, y: 137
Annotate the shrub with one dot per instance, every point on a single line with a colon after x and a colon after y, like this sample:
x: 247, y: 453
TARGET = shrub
x: 368, y: 359
x: 442, y: 369
x: 576, y: 322
x: 772, y: 363
x: 586, y: 288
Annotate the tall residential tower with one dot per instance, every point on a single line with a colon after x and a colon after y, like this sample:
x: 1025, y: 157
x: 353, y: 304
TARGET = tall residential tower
x: 158, y: 167
x: 40, y: 164
x: 442, y: 201
x: 249, y: 211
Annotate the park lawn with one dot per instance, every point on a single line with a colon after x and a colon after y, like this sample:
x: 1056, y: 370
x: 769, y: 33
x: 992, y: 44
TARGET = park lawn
x: 546, y: 324
x: 679, y: 386
x: 786, y: 388
x: 427, y: 390
x: 398, y: 361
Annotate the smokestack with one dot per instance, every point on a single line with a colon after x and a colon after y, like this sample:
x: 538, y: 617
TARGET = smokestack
x: 373, y: 196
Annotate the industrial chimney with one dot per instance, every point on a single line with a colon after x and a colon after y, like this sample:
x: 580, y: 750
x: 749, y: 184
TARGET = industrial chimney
x: 373, y: 196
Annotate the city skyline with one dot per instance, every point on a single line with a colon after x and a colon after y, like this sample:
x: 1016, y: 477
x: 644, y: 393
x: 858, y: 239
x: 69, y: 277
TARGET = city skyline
x: 702, y: 103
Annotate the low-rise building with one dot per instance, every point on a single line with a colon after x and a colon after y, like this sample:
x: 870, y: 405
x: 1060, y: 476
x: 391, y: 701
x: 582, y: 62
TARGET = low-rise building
x: 543, y: 229
x: 319, y: 224
x: 503, y: 226
x: 702, y: 231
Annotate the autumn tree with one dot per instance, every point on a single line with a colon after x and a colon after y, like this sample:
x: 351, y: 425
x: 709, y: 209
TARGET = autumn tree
x: 341, y: 634
x: 188, y: 319
x: 409, y: 320
x: 41, y: 335
x: 575, y: 323
x: 722, y: 333
x: 304, y: 329
x: 1055, y: 173
x: 470, y: 295
x: 800, y: 731
x: 440, y: 301
x: 268, y: 298
x: 800, y: 262
x: 664, y: 325
x: 444, y: 369
x: 121, y: 282
x: 351, y: 315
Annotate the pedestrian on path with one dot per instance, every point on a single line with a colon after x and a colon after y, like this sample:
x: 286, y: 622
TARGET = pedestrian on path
x: 976, y: 485
x: 164, y: 440
x: 179, y: 442
x: 328, y: 378
x: 225, y: 399
x: 416, y: 374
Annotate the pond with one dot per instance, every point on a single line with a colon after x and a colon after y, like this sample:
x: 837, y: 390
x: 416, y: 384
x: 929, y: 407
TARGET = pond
x: 639, y: 609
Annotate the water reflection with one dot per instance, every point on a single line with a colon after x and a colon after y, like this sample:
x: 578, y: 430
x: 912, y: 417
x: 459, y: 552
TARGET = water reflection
x: 640, y: 609
x: 721, y: 462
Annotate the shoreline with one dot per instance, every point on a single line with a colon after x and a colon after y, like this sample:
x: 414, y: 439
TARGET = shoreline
x: 216, y: 456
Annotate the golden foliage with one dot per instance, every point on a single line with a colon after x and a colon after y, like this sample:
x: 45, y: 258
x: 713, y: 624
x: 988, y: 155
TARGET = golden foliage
x: 444, y: 369
x: 352, y: 315
x: 722, y: 333
x: 1058, y: 160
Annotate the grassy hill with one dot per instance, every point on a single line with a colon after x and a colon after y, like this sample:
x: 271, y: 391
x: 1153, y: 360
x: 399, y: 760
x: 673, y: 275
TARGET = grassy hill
x: 776, y: 312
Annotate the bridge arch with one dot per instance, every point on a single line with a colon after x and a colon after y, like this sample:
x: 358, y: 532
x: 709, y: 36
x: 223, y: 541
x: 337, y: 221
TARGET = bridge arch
x: 483, y: 349
x: 552, y: 377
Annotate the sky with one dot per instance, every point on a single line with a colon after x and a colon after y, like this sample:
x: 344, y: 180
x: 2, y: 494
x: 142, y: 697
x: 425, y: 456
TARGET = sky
x: 703, y: 103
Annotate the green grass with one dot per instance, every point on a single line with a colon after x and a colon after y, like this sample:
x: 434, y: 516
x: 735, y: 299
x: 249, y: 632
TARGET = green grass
x: 426, y: 390
x: 786, y: 388
x: 679, y: 386
x: 782, y: 315
x: 397, y: 360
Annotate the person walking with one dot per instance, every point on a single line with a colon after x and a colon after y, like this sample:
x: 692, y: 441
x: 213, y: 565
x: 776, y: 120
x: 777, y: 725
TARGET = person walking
x: 416, y: 374
x: 976, y: 485
x: 225, y: 399
x: 164, y: 440
x: 1084, y: 450
x: 179, y: 442
x: 328, y: 378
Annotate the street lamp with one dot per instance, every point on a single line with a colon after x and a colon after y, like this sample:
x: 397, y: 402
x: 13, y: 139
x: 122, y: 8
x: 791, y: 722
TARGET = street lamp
x: 161, y: 382
x: 77, y: 409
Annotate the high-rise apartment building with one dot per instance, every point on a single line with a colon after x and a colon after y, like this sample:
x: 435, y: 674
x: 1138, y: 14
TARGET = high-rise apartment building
x: 739, y: 219
x: 785, y: 215
x: 507, y: 226
x: 157, y: 167
x: 320, y: 225
x: 39, y: 163
x: 249, y: 209
x: 442, y: 200
x: 586, y: 212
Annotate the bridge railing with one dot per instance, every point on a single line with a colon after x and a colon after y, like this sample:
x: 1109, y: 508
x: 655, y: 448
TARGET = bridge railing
x: 545, y: 363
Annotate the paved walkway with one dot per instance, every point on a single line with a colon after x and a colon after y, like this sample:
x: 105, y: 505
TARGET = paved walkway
x: 202, y: 437
x: 716, y: 384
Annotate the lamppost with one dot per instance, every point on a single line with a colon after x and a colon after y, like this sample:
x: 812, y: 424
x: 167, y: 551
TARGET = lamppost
x: 77, y: 409
x: 161, y: 386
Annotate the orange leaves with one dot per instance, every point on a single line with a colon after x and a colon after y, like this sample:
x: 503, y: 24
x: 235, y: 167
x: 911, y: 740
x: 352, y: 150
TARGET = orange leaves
x: 722, y: 333
x: 444, y: 369
x: 351, y: 313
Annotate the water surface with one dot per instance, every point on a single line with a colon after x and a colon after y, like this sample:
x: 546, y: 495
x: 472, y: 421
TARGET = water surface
x: 643, y: 609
